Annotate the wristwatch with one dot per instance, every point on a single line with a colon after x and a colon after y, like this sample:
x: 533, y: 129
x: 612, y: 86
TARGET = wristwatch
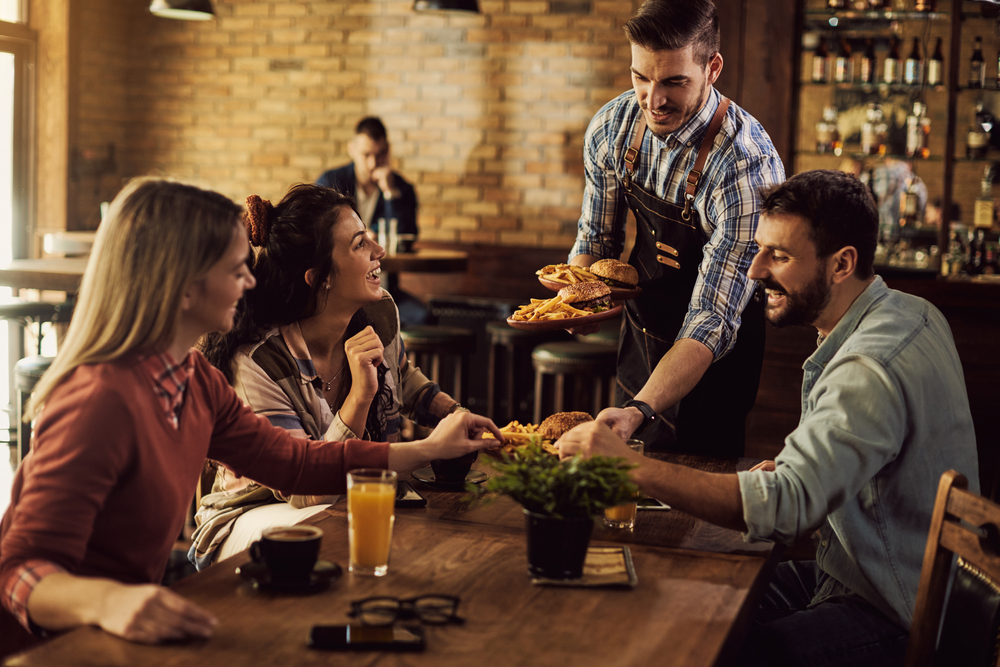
x: 648, y: 414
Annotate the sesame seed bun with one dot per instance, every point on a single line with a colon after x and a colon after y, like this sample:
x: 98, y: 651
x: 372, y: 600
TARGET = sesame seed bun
x: 553, y: 427
x: 581, y: 292
x: 621, y: 273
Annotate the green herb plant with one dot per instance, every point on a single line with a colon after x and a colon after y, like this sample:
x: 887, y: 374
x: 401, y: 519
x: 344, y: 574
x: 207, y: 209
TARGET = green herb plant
x: 575, y: 487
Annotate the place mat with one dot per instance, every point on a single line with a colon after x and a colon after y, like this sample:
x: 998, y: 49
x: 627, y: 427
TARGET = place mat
x: 604, y: 566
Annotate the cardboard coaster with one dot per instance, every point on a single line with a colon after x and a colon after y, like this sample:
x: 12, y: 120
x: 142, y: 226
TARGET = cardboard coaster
x: 604, y: 566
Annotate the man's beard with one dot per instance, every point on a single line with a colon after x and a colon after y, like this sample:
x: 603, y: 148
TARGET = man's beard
x: 691, y: 111
x: 801, y: 308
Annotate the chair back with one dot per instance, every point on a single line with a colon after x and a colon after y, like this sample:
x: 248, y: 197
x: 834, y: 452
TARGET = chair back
x: 965, y: 528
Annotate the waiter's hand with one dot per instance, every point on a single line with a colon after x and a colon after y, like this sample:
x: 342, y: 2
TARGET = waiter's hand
x: 584, y: 331
x: 623, y: 421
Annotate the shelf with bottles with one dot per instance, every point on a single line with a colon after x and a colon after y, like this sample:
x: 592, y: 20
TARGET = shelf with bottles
x: 876, y: 18
x: 884, y: 87
x: 874, y: 61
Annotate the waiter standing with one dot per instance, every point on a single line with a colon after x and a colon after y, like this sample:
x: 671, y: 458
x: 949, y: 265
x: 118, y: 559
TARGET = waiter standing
x: 689, y: 164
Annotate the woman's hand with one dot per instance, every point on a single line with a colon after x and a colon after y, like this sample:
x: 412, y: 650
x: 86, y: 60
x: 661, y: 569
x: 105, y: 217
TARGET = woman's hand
x: 364, y: 353
x: 151, y: 614
x: 456, y: 435
x: 144, y: 613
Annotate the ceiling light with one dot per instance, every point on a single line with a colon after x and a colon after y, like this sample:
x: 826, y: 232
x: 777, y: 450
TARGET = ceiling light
x: 186, y: 10
x: 446, y: 6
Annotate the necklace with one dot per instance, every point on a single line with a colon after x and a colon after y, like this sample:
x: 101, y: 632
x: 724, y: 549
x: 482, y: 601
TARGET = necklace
x: 328, y: 384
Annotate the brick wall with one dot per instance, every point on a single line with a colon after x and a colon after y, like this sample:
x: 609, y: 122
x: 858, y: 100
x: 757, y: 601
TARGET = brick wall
x: 486, y: 113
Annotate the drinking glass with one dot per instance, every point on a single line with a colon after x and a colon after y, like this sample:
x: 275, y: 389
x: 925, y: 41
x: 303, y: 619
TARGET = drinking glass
x: 371, y: 501
x: 623, y: 516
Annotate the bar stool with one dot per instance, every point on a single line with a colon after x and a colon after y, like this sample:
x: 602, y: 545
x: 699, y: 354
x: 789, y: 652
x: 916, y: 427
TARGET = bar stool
x: 581, y: 361
x: 26, y: 314
x: 431, y: 344
x: 510, y: 349
x: 607, y: 335
x: 27, y: 373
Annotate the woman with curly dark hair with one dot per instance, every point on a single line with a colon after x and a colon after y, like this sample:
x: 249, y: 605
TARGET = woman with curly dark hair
x: 315, y: 349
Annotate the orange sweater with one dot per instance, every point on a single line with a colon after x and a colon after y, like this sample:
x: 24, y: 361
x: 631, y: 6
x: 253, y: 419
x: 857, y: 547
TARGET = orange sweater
x: 108, y: 482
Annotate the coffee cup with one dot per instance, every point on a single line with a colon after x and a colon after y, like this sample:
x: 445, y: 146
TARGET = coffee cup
x: 288, y: 552
x: 453, y: 471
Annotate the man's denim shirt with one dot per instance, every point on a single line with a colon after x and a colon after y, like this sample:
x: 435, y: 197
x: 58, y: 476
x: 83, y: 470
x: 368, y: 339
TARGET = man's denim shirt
x: 884, y: 414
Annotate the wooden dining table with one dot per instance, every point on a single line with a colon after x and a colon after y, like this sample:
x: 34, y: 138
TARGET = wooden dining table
x: 697, y: 585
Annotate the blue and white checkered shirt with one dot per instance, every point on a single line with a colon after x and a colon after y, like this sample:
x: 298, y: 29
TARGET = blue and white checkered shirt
x: 742, y: 161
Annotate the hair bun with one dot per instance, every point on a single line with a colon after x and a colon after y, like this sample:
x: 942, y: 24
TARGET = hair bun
x: 257, y: 220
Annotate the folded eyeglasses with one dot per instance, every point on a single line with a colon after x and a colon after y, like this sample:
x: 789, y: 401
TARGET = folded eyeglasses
x: 429, y: 609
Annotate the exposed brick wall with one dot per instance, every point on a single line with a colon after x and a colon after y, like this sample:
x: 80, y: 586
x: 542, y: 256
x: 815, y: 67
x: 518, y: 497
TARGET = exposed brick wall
x: 486, y: 113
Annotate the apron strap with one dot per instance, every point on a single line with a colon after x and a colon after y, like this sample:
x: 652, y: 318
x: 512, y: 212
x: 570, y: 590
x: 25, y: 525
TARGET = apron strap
x: 706, y: 146
x: 633, y: 151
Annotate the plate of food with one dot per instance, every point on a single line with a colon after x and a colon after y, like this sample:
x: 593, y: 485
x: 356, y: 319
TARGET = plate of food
x: 621, y: 278
x: 517, y: 435
x: 577, y: 305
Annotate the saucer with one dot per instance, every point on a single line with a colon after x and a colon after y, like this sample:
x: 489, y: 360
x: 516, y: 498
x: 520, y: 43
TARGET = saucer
x: 323, y: 573
x: 426, y: 475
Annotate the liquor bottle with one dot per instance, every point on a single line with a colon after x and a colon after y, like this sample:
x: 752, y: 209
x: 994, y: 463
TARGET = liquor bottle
x: 954, y: 260
x: 836, y: 4
x: 821, y: 63
x: 976, y: 261
x: 991, y: 267
x: 977, y: 66
x: 910, y: 205
x: 827, y: 134
x: 982, y: 216
x: 913, y: 69
x: 917, y: 131
x: 869, y: 63
x: 890, y: 70
x: 935, y: 66
x: 843, y: 69
x: 977, y: 141
x: 925, y: 5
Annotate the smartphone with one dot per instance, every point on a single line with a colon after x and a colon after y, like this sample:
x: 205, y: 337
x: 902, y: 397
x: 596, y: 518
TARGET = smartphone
x: 366, y: 638
x: 651, y: 504
x: 406, y: 496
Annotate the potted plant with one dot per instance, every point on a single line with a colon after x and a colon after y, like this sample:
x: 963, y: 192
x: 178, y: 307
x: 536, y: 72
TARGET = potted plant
x: 560, y: 500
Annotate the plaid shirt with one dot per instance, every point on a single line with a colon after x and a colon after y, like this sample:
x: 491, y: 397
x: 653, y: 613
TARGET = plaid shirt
x: 742, y: 161
x: 170, y: 381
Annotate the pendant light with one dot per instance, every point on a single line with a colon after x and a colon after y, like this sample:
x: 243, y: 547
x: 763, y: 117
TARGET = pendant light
x: 186, y: 10
x: 446, y: 6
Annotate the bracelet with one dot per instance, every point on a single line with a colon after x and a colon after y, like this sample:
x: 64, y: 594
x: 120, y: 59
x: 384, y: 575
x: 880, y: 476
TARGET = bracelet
x: 455, y: 407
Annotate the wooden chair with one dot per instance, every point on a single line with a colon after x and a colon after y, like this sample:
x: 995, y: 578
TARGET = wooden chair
x: 966, y: 631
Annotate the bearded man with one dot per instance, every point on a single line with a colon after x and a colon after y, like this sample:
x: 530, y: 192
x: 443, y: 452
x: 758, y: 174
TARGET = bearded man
x: 884, y: 414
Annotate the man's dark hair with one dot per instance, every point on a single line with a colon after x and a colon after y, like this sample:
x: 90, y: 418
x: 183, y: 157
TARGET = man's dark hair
x: 371, y: 126
x: 672, y: 25
x: 838, y: 207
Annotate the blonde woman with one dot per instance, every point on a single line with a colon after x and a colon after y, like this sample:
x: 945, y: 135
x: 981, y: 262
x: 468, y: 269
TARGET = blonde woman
x: 128, y: 413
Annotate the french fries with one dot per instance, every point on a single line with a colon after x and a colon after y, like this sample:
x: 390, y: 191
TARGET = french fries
x: 547, y: 309
x: 566, y: 273
x: 517, y: 435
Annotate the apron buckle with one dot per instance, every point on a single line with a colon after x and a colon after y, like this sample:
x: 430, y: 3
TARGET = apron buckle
x: 686, y: 213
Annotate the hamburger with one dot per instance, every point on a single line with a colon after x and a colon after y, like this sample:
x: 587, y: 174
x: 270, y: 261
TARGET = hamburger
x: 553, y: 427
x: 592, y: 296
x: 616, y: 273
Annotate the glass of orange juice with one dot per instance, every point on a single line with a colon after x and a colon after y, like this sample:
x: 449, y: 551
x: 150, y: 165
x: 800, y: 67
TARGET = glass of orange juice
x: 371, y: 510
x: 623, y: 516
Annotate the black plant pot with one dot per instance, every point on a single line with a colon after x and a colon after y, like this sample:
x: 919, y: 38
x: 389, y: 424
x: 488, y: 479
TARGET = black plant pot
x: 557, y: 547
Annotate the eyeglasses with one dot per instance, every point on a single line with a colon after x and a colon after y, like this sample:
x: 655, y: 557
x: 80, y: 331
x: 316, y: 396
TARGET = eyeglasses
x: 429, y: 609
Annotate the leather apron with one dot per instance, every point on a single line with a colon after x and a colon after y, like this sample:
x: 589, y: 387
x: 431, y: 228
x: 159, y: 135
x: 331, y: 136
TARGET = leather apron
x: 711, y: 419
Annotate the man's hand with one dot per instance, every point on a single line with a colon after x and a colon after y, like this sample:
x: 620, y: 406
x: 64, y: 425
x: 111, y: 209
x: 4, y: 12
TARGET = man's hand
x: 594, y: 439
x: 623, y: 421
x: 767, y: 466
x: 382, y: 175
